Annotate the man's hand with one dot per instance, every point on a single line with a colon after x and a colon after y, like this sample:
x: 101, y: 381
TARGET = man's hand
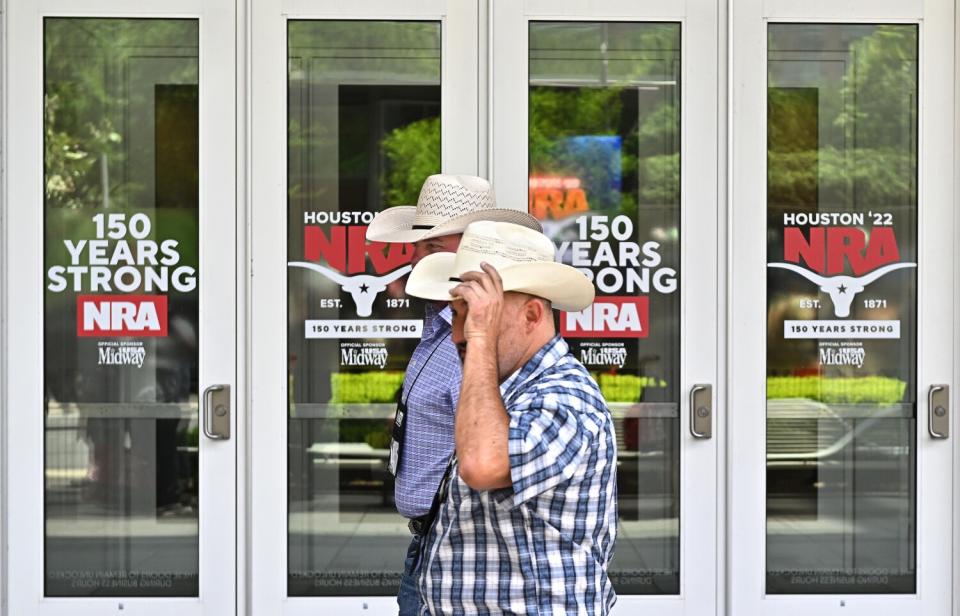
x: 483, y: 293
x: 482, y: 426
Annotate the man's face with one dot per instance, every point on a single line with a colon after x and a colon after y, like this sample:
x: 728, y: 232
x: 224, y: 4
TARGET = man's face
x: 459, y: 308
x: 422, y: 248
x: 511, y: 339
x: 443, y: 243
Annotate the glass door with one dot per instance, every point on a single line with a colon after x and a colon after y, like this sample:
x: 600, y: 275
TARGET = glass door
x: 357, y: 107
x: 841, y: 446
x: 609, y: 129
x: 124, y: 322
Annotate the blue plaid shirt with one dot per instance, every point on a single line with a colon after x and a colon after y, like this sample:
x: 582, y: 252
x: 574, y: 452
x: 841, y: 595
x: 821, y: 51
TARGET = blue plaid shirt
x: 431, y: 404
x: 543, y: 545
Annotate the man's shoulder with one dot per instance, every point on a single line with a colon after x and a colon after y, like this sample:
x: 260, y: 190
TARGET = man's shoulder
x: 566, y: 378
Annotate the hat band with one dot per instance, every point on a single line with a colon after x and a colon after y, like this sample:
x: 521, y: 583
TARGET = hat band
x: 422, y: 227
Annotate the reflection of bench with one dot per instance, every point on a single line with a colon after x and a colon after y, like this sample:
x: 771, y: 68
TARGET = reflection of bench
x: 802, y: 432
x: 822, y: 457
x: 349, y: 455
x: 355, y: 465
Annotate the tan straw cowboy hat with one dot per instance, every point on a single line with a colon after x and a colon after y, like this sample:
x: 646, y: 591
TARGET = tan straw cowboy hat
x: 447, y: 204
x: 523, y: 257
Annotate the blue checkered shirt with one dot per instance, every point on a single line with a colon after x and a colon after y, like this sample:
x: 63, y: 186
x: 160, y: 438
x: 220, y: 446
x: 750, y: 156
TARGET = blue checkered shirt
x: 541, y: 546
x: 430, y: 410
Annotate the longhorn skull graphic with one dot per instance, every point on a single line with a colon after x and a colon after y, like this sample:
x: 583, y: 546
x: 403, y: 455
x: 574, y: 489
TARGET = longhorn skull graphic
x: 841, y: 289
x: 362, y: 287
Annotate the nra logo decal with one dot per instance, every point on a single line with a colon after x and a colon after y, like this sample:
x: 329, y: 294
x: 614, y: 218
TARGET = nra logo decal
x: 822, y: 254
x: 346, y: 250
x: 121, y: 315
x: 609, y: 317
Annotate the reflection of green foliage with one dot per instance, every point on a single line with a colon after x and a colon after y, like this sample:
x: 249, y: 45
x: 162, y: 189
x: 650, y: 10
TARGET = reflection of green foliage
x: 625, y: 387
x: 365, y: 387
x: 877, y: 173
x: 603, y: 79
x: 647, y: 151
x: 851, y: 142
x: 191, y: 437
x: 97, y: 86
x: 662, y: 178
x: 854, y: 390
x: 569, y: 112
x: 378, y: 438
x: 880, y: 86
x: 413, y: 153
x: 557, y: 114
x: 69, y: 158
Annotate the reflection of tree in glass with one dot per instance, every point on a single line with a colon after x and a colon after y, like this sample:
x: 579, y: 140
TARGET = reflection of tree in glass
x: 70, y: 158
x: 607, y: 79
x: 413, y: 153
x: 90, y: 106
x: 872, y: 161
x: 557, y: 114
x: 650, y: 175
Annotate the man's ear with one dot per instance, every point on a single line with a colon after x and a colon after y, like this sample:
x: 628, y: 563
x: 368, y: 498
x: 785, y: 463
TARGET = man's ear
x: 533, y: 311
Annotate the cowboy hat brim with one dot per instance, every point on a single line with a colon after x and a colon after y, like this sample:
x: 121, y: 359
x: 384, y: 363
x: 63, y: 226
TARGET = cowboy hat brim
x: 395, y: 224
x: 564, y: 286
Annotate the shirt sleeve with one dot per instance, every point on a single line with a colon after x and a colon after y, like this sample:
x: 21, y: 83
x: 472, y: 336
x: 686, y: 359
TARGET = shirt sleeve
x: 547, y: 444
x: 456, y: 382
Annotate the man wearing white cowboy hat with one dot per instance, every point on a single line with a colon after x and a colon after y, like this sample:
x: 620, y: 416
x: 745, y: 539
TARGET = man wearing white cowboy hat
x: 526, y: 517
x: 423, y: 431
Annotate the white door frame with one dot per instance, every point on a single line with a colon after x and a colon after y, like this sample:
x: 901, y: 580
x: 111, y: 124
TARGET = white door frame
x: 23, y: 270
x: 267, y: 452
x: 4, y: 301
x: 955, y: 401
x: 747, y: 292
x: 703, y: 115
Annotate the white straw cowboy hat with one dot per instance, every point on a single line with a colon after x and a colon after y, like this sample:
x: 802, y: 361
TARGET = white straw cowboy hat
x: 447, y: 204
x: 524, y: 258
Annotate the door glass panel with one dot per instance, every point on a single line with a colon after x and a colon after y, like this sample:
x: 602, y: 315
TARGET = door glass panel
x: 604, y: 169
x: 364, y: 133
x: 121, y: 307
x: 841, y: 308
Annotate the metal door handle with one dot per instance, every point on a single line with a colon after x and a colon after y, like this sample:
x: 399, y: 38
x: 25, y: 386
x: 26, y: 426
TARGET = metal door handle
x: 701, y: 411
x: 938, y: 411
x: 216, y: 412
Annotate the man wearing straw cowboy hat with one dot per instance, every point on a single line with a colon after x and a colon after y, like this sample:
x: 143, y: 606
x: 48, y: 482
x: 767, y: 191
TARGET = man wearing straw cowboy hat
x: 423, y: 430
x: 525, y: 519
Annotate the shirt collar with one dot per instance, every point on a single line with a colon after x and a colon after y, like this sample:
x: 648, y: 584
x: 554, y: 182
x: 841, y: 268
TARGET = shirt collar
x: 548, y: 355
x: 436, y: 319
